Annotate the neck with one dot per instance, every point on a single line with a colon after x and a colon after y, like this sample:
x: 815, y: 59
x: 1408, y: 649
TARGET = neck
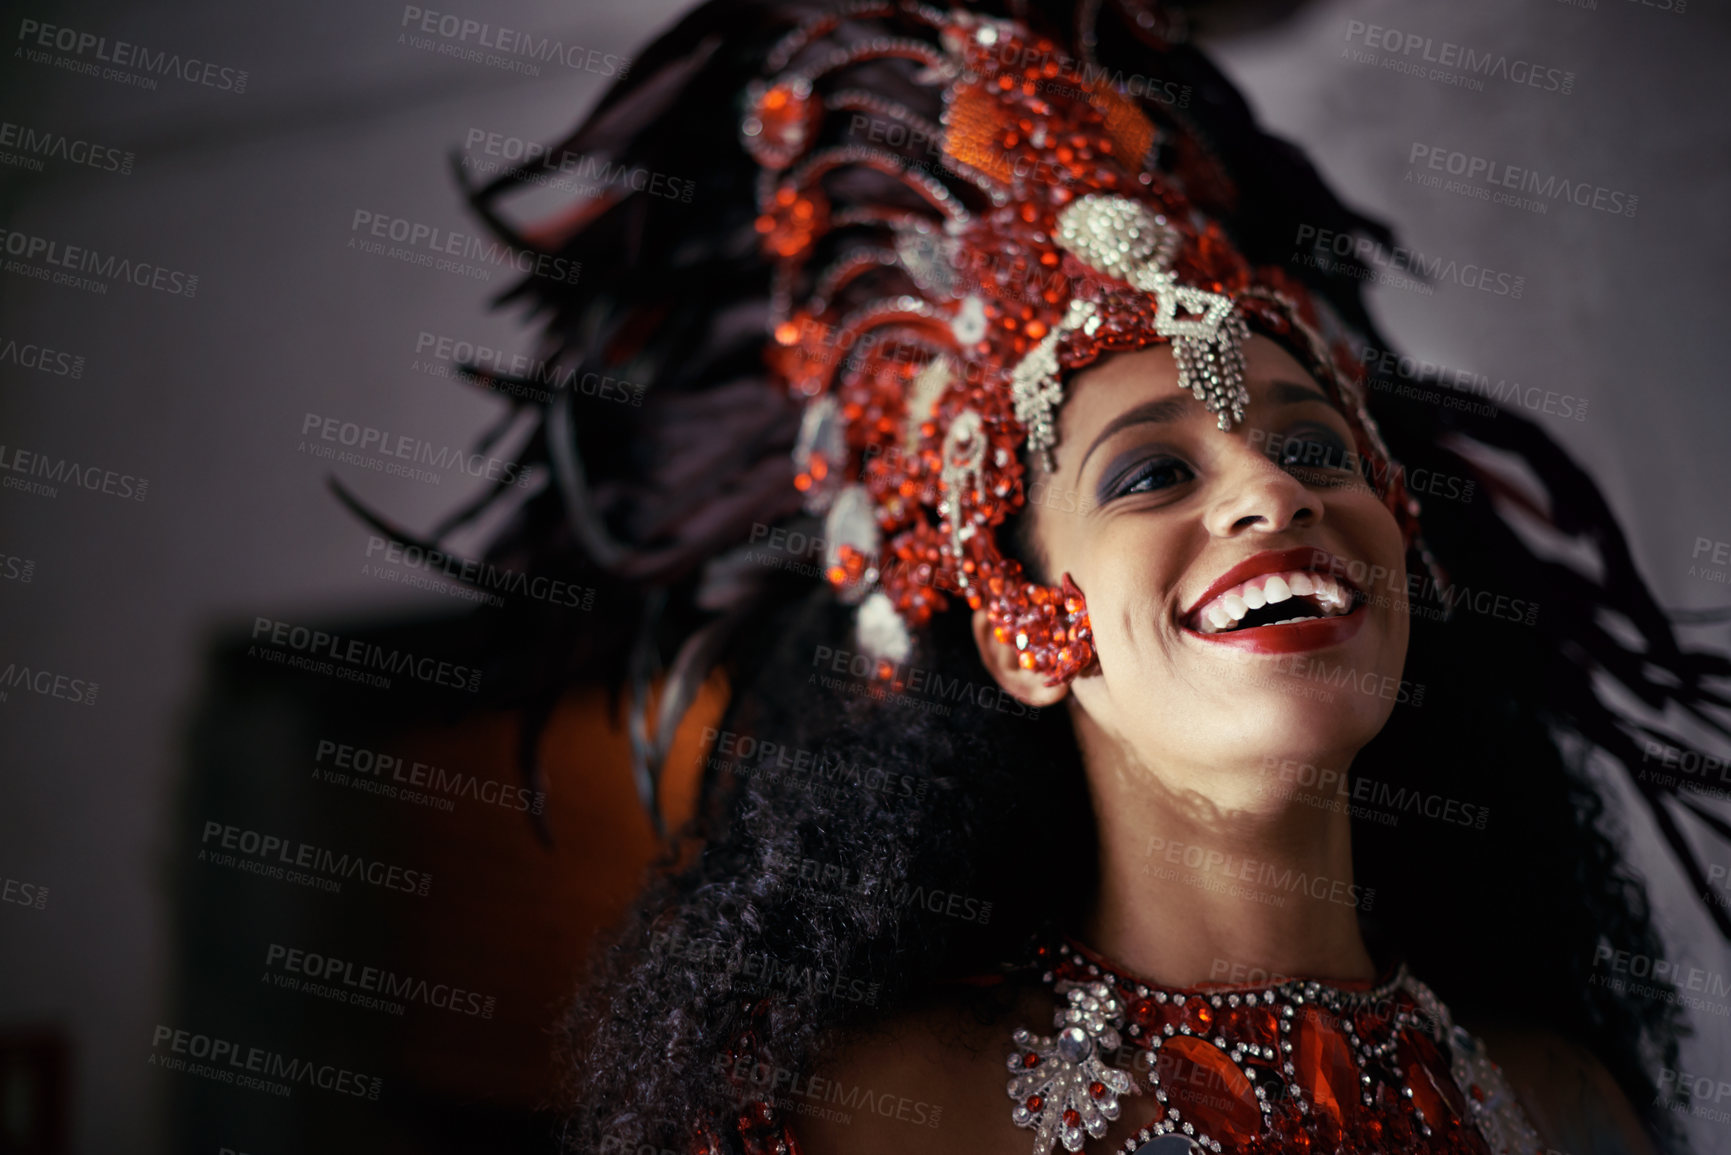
x: 1201, y: 888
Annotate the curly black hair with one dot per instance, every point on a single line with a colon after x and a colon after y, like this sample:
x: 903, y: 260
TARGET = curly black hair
x: 830, y: 812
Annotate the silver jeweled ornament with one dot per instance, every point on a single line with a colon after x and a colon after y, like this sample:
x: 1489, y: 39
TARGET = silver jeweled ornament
x: 1054, y: 1076
x: 1126, y: 240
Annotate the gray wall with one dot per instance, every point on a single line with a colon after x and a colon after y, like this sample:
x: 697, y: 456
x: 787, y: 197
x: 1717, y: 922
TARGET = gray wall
x: 255, y: 193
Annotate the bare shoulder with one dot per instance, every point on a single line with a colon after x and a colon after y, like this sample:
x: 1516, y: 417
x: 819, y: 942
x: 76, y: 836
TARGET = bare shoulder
x: 926, y: 1080
x: 1572, y: 1100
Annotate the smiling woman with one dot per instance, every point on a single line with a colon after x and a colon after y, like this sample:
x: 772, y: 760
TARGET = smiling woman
x: 1169, y: 716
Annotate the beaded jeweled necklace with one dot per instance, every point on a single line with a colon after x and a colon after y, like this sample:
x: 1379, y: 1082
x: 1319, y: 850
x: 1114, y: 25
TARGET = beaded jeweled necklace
x: 1298, y: 1066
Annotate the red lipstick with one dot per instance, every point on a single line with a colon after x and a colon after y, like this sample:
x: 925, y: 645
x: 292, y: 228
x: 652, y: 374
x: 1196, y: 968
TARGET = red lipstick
x: 1294, y: 637
x: 1308, y: 558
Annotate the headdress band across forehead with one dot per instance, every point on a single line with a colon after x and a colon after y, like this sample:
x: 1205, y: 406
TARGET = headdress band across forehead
x: 927, y: 307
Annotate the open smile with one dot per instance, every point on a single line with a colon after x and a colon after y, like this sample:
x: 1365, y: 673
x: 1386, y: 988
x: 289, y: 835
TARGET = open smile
x: 1279, y: 601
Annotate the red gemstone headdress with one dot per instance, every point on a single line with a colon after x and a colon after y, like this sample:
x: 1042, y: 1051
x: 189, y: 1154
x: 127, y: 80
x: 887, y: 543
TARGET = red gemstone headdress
x: 927, y: 322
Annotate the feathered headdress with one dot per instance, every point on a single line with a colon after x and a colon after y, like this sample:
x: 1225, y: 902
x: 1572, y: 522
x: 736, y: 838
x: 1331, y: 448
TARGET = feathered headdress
x: 925, y: 316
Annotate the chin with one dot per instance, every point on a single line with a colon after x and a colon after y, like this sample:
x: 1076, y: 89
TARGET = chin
x: 1278, y: 717
x: 1311, y: 686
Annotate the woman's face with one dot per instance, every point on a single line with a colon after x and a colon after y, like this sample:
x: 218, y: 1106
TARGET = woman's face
x: 1196, y: 549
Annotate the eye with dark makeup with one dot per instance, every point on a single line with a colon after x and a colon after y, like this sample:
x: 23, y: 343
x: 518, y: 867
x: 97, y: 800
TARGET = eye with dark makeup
x: 1147, y: 476
x: 1316, y: 455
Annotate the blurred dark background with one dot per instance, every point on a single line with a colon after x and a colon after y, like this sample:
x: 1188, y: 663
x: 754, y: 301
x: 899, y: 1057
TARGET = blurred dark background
x: 114, y: 931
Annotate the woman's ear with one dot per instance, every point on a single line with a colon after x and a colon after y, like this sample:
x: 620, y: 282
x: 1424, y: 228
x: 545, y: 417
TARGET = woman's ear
x: 1026, y: 686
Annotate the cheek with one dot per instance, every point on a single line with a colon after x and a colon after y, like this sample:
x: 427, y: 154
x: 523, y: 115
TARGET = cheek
x: 1376, y: 536
x: 1129, y: 570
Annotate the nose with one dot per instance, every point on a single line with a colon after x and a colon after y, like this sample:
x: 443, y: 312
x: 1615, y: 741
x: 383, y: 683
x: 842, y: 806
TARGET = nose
x: 1254, y: 495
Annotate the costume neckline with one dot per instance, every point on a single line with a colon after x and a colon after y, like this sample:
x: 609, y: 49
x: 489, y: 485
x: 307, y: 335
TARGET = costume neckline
x: 1390, y: 974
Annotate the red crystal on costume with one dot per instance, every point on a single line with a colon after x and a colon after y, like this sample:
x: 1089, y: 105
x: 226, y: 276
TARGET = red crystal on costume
x: 1208, y: 1089
x: 782, y: 123
x: 1312, y: 1096
x: 1145, y: 1013
x: 1322, y: 1052
x: 791, y: 222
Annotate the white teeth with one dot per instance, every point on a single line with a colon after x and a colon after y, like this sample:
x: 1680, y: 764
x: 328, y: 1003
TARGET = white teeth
x: 1228, y: 609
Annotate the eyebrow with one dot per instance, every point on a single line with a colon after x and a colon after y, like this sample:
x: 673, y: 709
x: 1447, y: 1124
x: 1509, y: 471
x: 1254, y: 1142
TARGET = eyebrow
x: 1172, y: 408
x: 1292, y: 393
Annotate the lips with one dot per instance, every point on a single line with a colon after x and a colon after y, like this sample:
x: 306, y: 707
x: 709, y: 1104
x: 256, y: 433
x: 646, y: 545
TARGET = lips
x: 1281, y: 598
x: 1279, y: 601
